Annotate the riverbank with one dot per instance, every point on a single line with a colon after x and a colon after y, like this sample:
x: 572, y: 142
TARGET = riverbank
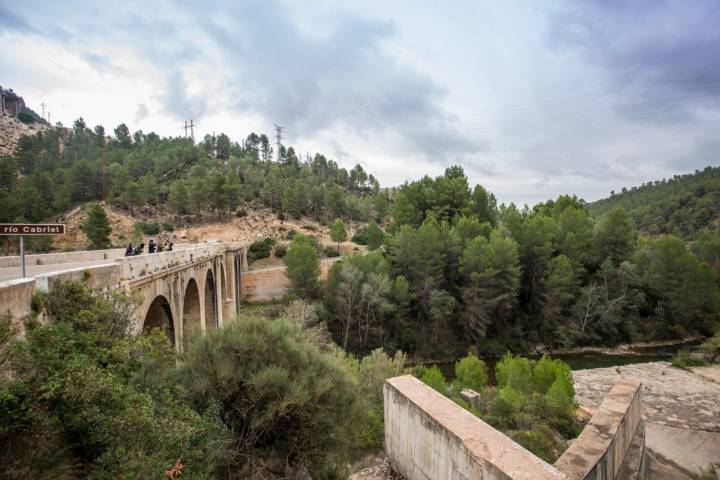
x: 636, y: 348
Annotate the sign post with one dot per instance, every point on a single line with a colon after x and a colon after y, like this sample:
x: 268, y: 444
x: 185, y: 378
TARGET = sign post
x: 23, y: 229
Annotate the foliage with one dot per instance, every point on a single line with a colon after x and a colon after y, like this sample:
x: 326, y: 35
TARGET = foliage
x: 260, y: 249
x: 97, y: 227
x: 685, y: 359
x: 682, y: 205
x: 87, y: 399
x: 303, y: 267
x: 471, y: 372
x: 280, y: 251
x: 279, y: 395
x: 534, y: 401
x: 711, y: 347
x: 148, y: 228
x: 338, y: 232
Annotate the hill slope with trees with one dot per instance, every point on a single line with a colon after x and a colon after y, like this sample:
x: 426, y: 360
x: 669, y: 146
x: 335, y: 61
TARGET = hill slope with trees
x: 682, y: 205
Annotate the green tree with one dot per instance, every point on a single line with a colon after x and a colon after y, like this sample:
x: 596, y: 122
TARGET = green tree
x: 178, y: 197
x: 303, y: 267
x: 615, y: 237
x: 338, y: 233
x: 471, y: 372
x: 97, y: 227
x: 491, y: 278
x: 374, y: 235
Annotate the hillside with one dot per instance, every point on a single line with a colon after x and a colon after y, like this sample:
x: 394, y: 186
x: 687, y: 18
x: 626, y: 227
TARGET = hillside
x: 682, y: 205
x: 12, y: 129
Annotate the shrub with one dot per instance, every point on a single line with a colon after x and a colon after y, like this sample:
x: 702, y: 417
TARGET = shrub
x: 168, y: 227
x: 290, y: 234
x: 88, y: 399
x: 360, y: 236
x: 330, y: 252
x: 240, y: 213
x: 25, y: 117
x: 684, y: 359
x: 148, y: 228
x: 260, y: 249
x: 434, y: 378
x: 279, y: 395
x: 515, y: 372
x: 280, y: 250
x: 711, y: 348
x: 470, y: 372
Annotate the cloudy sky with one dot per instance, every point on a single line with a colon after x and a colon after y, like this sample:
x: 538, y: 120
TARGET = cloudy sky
x: 533, y: 99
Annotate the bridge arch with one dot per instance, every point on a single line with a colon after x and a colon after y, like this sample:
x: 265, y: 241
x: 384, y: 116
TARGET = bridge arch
x: 192, y: 307
x: 159, y: 315
x: 211, y: 315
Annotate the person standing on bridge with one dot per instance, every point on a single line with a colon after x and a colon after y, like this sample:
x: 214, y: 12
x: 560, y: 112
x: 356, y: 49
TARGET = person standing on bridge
x: 139, y: 249
x: 129, y: 250
x: 170, y: 245
x: 151, y: 246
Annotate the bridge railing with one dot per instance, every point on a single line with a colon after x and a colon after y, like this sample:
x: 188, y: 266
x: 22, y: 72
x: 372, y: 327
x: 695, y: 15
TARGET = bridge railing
x: 141, y: 265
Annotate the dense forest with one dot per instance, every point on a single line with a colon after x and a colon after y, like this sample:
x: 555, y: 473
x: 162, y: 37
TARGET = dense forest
x: 682, y: 205
x: 59, y: 168
x: 457, y: 272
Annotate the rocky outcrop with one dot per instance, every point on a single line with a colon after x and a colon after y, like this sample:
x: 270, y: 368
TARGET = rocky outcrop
x: 11, y: 129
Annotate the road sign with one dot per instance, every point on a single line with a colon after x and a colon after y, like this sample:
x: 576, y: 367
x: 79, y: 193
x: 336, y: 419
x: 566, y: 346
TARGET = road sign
x: 20, y: 229
x: 23, y: 229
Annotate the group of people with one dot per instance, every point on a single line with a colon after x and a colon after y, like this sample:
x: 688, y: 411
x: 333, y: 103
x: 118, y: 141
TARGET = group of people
x: 153, y: 247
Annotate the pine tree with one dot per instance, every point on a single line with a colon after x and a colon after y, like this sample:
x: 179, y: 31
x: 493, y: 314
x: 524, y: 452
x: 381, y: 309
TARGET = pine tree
x: 97, y: 228
x: 338, y: 233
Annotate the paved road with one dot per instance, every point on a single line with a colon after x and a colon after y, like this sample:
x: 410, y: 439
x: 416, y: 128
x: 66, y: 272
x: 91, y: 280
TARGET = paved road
x: 11, y: 273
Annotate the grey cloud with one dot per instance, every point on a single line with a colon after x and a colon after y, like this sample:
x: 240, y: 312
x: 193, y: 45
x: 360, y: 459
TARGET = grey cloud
x: 661, y: 55
x: 142, y: 112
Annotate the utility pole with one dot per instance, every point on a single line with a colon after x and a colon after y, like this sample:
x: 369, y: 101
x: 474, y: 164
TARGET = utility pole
x: 43, y: 109
x: 278, y: 138
x: 186, y: 127
x: 192, y: 130
x: 48, y: 117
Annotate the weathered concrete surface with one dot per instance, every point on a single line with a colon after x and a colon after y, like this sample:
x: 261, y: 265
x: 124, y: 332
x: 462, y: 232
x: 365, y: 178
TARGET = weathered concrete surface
x: 429, y: 437
x: 63, y: 257
x: 598, y: 453
x: 16, y: 298
x: 681, y: 410
x: 671, y: 396
x: 690, y: 450
x: 267, y: 284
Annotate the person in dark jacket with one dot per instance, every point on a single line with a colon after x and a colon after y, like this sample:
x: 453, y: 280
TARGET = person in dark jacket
x: 129, y: 250
x: 139, y: 249
x: 170, y: 245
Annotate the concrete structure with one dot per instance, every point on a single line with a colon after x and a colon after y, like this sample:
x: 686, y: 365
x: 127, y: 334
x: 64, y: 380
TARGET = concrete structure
x: 428, y: 436
x: 197, y: 286
x: 267, y: 284
x: 599, y: 452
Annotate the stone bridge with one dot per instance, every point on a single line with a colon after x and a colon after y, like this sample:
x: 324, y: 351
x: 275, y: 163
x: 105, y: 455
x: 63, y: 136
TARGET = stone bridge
x: 193, y: 287
x: 197, y: 286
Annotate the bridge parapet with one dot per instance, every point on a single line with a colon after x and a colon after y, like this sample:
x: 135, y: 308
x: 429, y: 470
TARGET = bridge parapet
x: 134, y: 268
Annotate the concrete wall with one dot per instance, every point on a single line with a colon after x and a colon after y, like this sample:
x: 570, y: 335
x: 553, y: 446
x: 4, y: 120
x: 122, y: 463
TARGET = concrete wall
x: 66, y: 257
x: 16, y: 298
x: 429, y: 437
x: 267, y: 284
x: 598, y: 453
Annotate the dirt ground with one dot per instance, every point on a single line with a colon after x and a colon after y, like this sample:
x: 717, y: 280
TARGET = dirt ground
x: 259, y: 223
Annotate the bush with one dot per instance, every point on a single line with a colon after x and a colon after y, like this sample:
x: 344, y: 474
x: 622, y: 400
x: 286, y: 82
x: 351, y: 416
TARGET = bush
x: 168, y: 227
x: 360, y: 236
x: 711, y: 348
x: 240, y: 213
x: 684, y: 359
x: 279, y: 395
x: 303, y: 267
x: 515, y: 372
x: 470, y: 372
x: 330, y: 252
x: 25, y: 117
x: 147, y: 228
x: 290, y: 234
x: 280, y: 250
x: 434, y: 378
x: 85, y: 398
x: 260, y: 249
